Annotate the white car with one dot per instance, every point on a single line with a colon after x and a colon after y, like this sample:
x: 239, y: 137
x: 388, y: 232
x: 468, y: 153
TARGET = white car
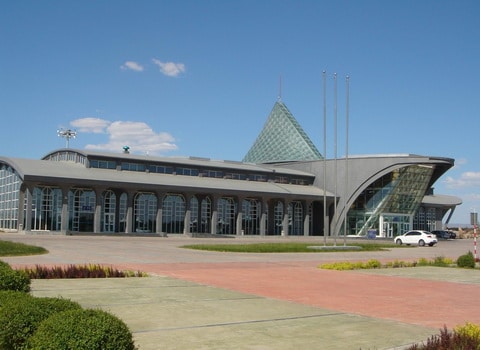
x: 418, y: 237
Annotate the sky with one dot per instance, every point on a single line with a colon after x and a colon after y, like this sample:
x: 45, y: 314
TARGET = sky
x: 199, y: 78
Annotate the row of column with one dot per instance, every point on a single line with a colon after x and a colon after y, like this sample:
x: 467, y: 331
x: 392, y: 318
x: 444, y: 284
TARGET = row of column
x: 263, y: 219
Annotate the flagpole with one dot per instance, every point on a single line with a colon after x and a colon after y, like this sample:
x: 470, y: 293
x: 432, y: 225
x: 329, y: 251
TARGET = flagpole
x: 325, y: 221
x: 335, y: 170
x: 347, y: 117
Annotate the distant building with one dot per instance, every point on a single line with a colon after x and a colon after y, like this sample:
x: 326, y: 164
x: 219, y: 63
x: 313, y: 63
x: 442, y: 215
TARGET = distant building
x: 278, y: 189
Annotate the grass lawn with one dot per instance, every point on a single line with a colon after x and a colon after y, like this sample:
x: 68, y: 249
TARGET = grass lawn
x: 289, y: 247
x: 16, y: 249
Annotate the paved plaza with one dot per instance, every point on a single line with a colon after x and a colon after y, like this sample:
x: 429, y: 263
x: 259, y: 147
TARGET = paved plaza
x: 214, y: 300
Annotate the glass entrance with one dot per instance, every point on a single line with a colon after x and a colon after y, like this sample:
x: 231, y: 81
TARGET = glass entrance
x: 394, y: 224
x: 109, y: 222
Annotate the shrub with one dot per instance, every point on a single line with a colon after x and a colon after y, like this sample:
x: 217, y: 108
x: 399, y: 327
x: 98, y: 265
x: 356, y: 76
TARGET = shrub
x: 466, y: 260
x: 462, y: 338
x: 21, y: 317
x: 79, y: 271
x: 4, y: 264
x: 11, y: 279
x: 82, y: 330
x: 8, y: 296
x: 373, y: 264
x: 469, y: 330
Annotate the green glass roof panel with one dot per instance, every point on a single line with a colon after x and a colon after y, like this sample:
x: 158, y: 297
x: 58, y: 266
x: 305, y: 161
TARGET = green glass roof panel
x: 282, y: 139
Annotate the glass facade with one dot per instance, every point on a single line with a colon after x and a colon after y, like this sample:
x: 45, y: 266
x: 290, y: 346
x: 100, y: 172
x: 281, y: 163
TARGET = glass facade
x: 9, y: 200
x: 46, y: 209
x: 389, y: 203
x: 282, y: 139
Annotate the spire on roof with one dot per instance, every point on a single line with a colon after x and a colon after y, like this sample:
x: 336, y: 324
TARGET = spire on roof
x: 282, y: 139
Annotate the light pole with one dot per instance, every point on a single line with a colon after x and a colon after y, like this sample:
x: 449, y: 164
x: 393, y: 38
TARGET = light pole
x: 67, y: 135
x: 474, y: 221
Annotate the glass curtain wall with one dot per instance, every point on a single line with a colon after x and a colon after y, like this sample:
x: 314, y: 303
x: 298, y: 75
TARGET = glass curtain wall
x: 173, y: 213
x: 9, y: 200
x: 46, y: 209
x: 81, y: 204
x: 108, y: 211
x: 278, y: 218
x: 251, y: 209
x: 144, y: 212
x: 227, y: 212
x: 295, y: 219
x: 397, y: 194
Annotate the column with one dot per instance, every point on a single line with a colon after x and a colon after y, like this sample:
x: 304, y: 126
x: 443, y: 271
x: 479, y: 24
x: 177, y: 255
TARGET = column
x: 129, y: 214
x: 159, y: 216
x: 214, y: 220
x: 306, y: 218
x: 186, y: 220
x: 20, y: 209
x: 97, y: 215
x: 28, y: 211
x: 238, y: 227
x: 65, y: 214
x: 285, y: 218
x: 263, y: 217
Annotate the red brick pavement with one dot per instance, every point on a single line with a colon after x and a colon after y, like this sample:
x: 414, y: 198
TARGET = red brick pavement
x: 423, y: 302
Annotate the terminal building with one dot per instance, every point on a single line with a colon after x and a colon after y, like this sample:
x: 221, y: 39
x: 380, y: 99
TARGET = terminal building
x: 283, y: 187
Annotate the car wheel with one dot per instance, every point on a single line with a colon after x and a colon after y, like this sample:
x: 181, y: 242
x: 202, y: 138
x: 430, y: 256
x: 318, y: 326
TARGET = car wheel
x: 421, y: 243
x: 398, y: 241
x: 431, y: 244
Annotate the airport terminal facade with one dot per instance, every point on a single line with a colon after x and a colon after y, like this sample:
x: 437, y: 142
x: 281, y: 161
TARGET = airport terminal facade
x: 283, y: 186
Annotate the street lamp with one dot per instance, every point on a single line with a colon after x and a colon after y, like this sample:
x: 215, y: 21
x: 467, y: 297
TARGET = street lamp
x: 67, y: 135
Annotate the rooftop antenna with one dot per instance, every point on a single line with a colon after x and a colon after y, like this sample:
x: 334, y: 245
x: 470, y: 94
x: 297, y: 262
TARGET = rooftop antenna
x: 67, y: 135
x: 280, y: 88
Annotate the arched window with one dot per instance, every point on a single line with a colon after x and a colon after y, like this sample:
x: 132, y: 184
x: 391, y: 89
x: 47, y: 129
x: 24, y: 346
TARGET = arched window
x: 108, y: 211
x: 250, y: 219
x: 9, y: 197
x: 46, y: 209
x: 295, y: 219
x: 173, y: 213
x: 144, y: 212
x: 278, y: 218
x: 206, y: 215
x: 227, y: 212
x: 81, y: 204
x: 122, y: 213
x: 194, y: 226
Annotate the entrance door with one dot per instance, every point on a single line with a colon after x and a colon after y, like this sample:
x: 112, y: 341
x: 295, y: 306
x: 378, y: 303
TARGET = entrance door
x: 395, y: 224
x: 109, y: 222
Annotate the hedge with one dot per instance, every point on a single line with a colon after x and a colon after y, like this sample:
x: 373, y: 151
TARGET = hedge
x: 82, y: 330
x: 21, y: 317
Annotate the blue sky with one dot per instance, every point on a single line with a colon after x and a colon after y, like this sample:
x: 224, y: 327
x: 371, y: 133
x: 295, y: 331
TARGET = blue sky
x: 199, y: 78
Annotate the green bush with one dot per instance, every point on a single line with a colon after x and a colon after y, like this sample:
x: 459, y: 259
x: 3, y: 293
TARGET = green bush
x: 21, y: 317
x: 466, y: 260
x: 373, y: 264
x: 8, y: 296
x: 4, y: 264
x: 11, y: 279
x: 82, y: 330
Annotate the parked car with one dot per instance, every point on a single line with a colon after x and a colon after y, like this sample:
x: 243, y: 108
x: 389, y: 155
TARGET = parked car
x: 441, y: 234
x: 418, y: 237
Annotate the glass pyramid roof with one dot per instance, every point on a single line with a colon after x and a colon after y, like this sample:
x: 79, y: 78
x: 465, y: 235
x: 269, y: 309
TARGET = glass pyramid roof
x: 282, y: 139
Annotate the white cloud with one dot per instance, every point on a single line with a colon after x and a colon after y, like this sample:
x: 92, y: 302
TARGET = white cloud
x: 90, y: 125
x: 131, y: 65
x: 466, y: 179
x: 139, y: 136
x: 170, y: 69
